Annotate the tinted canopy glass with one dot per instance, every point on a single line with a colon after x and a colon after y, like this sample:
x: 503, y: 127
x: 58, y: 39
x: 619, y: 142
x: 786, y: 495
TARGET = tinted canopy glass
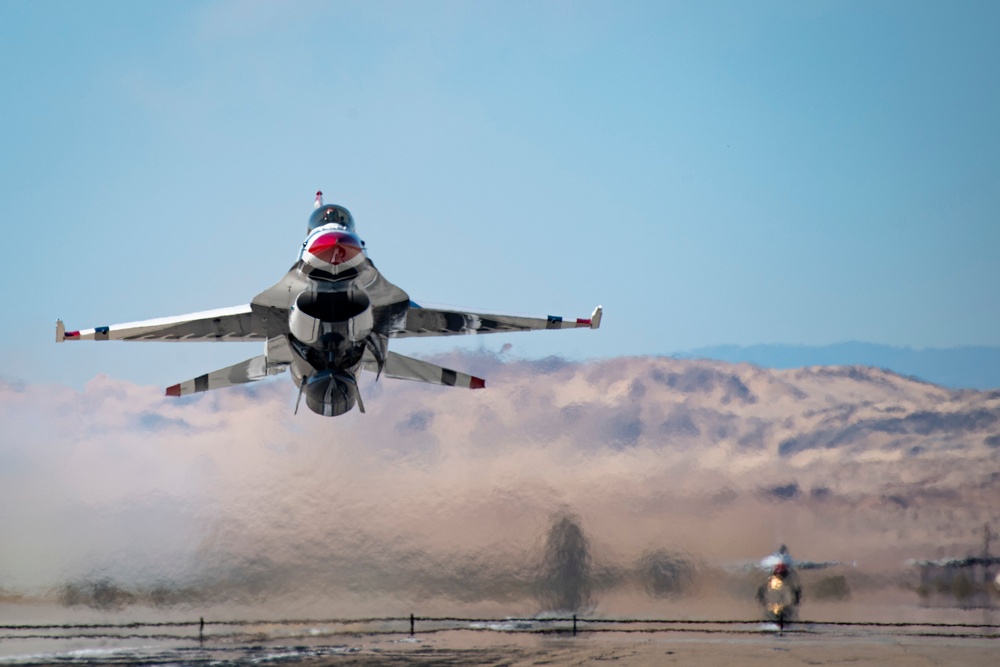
x: 331, y: 214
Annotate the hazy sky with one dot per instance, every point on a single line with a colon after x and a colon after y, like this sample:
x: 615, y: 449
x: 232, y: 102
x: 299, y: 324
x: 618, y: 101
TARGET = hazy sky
x: 710, y: 172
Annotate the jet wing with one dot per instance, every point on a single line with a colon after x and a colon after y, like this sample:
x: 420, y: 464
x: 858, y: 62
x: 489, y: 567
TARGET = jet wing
x: 434, y: 322
x: 769, y: 562
x: 815, y: 565
x: 407, y: 368
x: 744, y: 566
x: 238, y: 323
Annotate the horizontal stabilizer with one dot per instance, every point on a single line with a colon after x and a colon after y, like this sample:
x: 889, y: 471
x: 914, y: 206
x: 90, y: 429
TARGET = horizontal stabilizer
x: 407, y: 368
x: 250, y: 370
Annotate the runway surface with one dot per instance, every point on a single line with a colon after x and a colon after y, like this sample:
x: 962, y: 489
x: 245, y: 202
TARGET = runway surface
x: 513, y: 642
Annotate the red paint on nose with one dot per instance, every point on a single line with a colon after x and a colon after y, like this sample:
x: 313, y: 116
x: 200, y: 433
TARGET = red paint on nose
x: 335, y: 247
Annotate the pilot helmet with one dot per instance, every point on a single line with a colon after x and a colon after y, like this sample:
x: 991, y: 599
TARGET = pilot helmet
x: 780, y: 570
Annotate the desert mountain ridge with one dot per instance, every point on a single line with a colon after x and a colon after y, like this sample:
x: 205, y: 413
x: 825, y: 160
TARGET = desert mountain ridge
x: 694, y: 406
x: 967, y: 366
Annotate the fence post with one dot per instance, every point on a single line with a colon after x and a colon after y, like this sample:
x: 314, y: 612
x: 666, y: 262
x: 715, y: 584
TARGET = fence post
x: 574, y: 625
x: 201, y: 631
x: 411, y: 624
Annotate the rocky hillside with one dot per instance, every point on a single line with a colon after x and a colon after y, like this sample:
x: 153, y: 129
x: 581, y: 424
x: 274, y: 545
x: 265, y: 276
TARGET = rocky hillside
x: 722, y: 414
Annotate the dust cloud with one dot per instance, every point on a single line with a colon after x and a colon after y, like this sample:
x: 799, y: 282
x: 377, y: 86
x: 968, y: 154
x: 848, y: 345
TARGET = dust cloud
x: 622, y: 486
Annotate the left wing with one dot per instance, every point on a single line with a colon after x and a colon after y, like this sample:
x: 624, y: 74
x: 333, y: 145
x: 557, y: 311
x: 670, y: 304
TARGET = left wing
x: 238, y: 323
x: 434, y: 322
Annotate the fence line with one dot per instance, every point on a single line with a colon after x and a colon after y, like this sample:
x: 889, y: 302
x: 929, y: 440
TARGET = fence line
x: 413, y: 620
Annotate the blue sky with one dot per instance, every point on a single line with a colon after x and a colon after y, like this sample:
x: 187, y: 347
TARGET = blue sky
x: 768, y: 172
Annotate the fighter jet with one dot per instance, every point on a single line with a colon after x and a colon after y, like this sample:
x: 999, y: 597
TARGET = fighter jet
x: 781, y: 593
x: 973, y: 581
x: 331, y: 316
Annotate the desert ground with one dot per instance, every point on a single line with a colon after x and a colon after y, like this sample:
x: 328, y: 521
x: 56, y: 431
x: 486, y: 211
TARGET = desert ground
x: 468, y: 648
x: 465, y: 649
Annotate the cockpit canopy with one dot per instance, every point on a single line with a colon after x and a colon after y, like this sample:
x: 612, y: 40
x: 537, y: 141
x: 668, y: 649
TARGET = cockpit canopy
x: 331, y: 214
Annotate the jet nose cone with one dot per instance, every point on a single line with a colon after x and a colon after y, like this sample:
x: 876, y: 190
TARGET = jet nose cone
x: 335, y: 247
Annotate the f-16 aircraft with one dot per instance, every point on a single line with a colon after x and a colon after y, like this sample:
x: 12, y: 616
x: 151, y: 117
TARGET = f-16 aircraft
x: 973, y: 581
x: 781, y: 593
x: 329, y: 317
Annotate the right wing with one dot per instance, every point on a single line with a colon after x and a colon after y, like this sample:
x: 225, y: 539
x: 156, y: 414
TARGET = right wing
x: 238, y: 323
x: 815, y: 565
x: 434, y: 322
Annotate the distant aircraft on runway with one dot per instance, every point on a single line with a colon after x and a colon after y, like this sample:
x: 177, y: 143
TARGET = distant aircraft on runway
x: 330, y: 316
x: 781, y: 594
x: 969, y: 582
